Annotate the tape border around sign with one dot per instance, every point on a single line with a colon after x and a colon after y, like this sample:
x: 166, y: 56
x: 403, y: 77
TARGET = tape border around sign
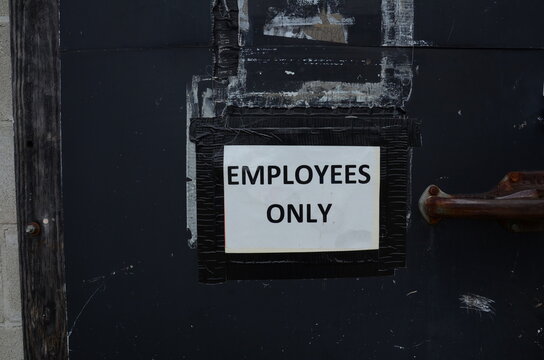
x: 390, y: 129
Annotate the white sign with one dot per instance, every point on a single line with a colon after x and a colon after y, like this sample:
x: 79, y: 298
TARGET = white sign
x: 282, y: 199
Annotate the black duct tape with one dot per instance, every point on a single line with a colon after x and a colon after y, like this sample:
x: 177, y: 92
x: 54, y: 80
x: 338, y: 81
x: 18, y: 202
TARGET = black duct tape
x: 390, y: 129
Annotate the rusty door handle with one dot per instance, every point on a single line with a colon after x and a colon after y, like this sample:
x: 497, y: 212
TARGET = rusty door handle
x: 517, y: 202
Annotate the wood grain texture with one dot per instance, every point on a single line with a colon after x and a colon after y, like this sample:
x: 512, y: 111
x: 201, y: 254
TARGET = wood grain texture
x: 36, y: 101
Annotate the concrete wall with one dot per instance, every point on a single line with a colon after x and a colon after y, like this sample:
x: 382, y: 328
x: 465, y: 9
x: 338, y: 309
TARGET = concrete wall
x: 11, y: 336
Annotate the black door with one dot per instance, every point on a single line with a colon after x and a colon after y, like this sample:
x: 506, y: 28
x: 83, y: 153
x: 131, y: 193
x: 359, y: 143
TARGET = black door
x: 133, y: 74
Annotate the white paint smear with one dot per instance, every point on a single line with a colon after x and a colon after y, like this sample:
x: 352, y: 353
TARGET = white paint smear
x: 325, y: 26
x: 477, y: 303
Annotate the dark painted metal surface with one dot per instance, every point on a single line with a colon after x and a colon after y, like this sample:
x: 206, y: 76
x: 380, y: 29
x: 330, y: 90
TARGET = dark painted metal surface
x: 479, y: 23
x: 470, y: 289
x: 116, y: 25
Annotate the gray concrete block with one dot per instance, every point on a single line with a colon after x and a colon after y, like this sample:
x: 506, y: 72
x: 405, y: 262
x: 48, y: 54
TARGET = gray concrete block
x: 7, y: 174
x: 11, y: 343
x: 2, y: 318
x: 4, y: 7
x: 9, y: 252
x: 6, y: 113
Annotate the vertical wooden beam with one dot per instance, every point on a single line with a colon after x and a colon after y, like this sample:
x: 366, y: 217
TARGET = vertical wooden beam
x: 36, y: 102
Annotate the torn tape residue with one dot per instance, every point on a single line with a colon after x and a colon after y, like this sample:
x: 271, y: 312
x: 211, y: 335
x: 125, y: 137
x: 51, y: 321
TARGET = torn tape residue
x: 384, y: 79
x: 323, y: 26
x: 392, y: 88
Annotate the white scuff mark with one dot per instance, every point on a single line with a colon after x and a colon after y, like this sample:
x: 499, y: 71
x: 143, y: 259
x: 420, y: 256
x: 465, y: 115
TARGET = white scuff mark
x: 521, y: 126
x: 328, y: 61
x: 208, y: 105
x: 477, y: 303
x: 420, y: 343
x: 226, y: 5
x: 411, y: 293
x: 289, y: 72
x: 127, y: 270
x: 451, y: 29
x: 102, y: 286
x: 307, y: 2
x: 326, y: 26
x: 313, y: 93
x: 515, y: 264
x: 421, y: 43
x: 237, y: 84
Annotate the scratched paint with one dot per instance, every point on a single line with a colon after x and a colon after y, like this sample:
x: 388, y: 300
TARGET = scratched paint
x: 477, y: 303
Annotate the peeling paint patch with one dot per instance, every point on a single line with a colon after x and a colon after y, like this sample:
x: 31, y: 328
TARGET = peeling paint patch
x: 477, y: 303
x: 324, y: 26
